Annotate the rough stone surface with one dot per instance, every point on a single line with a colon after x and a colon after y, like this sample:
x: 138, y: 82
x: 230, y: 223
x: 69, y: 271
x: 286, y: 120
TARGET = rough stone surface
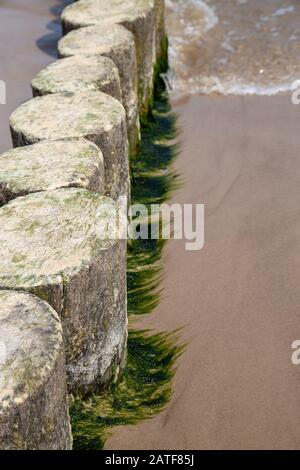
x: 94, y: 73
x: 62, y: 246
x: 33, y: 399
x: 160, y: 29
x: 117, y: 43
x: 138, y: 16
x: 96, y: 116
x: 51, y: 165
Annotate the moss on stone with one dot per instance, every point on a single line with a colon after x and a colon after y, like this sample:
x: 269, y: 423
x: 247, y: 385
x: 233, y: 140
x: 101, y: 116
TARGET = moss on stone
x: 73, y: 74
x: 95, y: 116
x: 138, y: 16
x: 66, y: 115
x: 47, y: 235
x: 32, y: 334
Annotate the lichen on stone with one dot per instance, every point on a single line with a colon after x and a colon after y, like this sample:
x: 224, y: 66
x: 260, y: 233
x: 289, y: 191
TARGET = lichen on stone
x: 30, y: 340
x: 138, y: 16
x: 47, y: 233
x: 51, y: 165
x: 73, y: 74
x: 66, y: 115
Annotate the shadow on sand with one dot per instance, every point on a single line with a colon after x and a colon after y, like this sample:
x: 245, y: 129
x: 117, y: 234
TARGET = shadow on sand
x: 48, y: 42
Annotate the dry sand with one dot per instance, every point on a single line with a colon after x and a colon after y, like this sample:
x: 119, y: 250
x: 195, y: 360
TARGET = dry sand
x: 235, y: 387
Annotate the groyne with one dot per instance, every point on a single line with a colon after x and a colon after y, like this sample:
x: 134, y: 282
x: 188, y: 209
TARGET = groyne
x: 63, y: 316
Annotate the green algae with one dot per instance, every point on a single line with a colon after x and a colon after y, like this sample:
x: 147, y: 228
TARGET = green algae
x: 162, y: 62
x: 146, y: 384
x: 155, y: 95
x: 142, y: 393
x: 153, y: 182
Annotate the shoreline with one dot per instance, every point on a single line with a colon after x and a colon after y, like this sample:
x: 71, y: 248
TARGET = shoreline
x: 235, y: 386
x: 236, y: 300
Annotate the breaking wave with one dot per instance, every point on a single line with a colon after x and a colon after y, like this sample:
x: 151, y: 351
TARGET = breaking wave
x: 240, y: 47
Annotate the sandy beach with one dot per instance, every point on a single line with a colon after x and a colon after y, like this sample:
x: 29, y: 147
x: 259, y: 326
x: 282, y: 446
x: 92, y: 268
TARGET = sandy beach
x: 235, y: 386
x: 29, y: 31
x: 238, y: 298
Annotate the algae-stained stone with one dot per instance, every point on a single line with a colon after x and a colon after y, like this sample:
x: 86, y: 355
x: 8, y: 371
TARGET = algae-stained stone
x: 62, y: 246
x: 96, y: 116
x: 74, y: 74
x: 160, y: 30
x: 51, y: 165
x: 117, y: 43
x: 33, y: 398
x: 138, y: 16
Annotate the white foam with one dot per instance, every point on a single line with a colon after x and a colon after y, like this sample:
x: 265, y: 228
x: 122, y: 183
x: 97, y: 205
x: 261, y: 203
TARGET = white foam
x: 191, y: 20
x: 178, y: 7
x: 213, y: 85
x: 284, y: 11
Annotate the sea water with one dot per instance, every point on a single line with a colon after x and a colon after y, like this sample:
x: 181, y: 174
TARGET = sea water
x: 233, y: 46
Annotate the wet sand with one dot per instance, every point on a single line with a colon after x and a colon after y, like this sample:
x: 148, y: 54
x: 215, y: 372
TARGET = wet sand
x: 29, y: 31
x: 239, y: 297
